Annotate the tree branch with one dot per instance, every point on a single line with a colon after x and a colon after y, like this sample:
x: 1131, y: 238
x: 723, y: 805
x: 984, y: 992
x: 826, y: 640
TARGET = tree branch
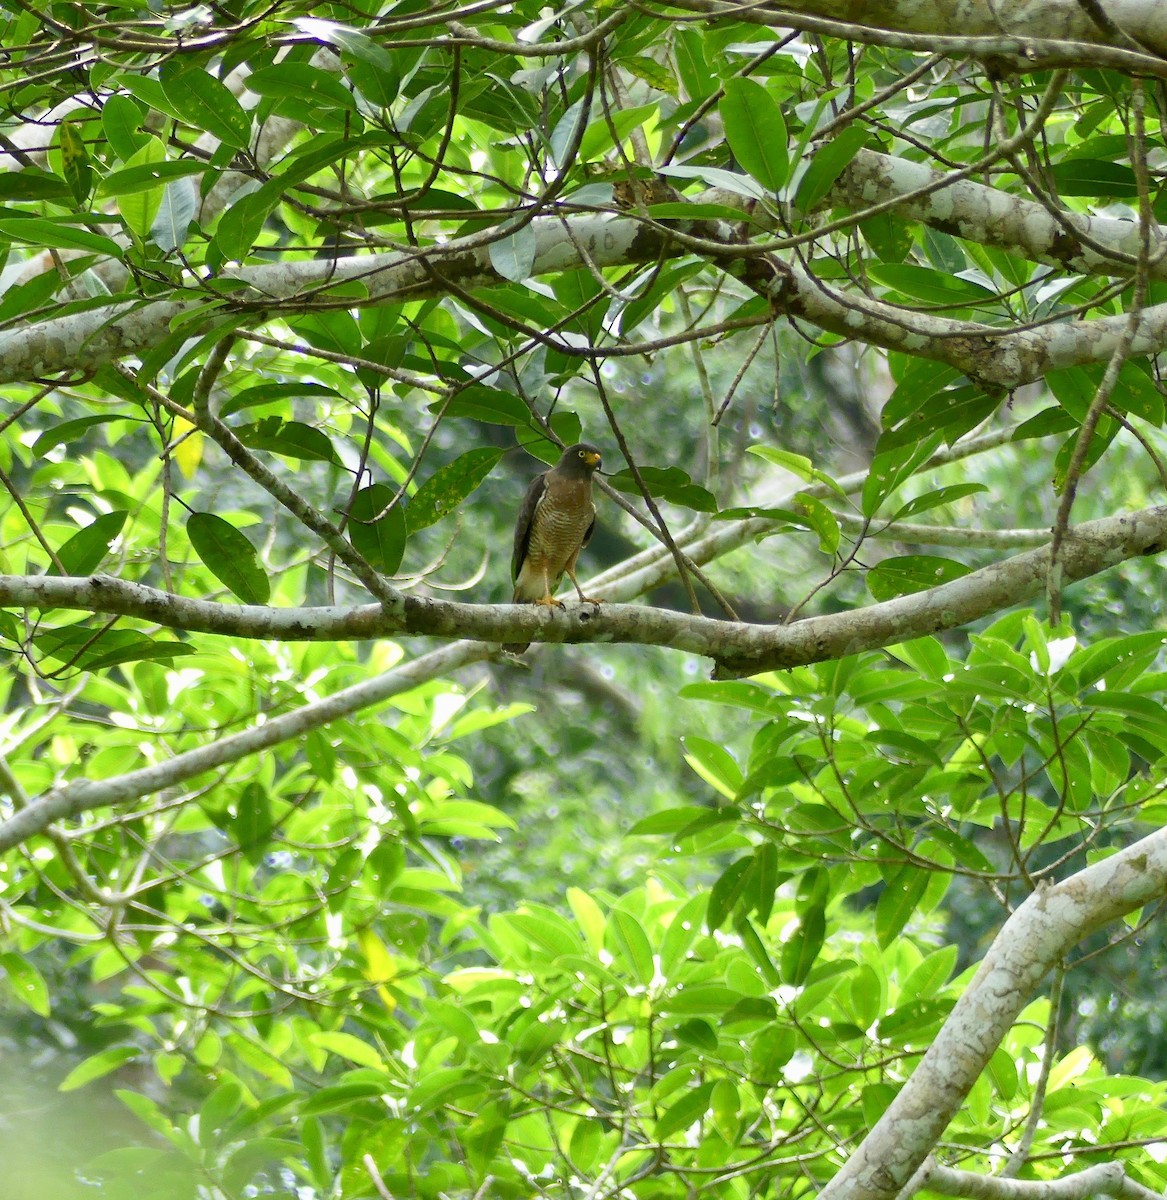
x: 1036, y: 937
x: 737, y: 648
x: 1075, y: 242
x: 1023, y: 37
x: 83, y: 795
x: 997, y: 357
x: 1102, y: 1179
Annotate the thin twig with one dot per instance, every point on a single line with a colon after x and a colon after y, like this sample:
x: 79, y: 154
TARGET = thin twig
x: 1020, y: 1156
x: 1121, y: 351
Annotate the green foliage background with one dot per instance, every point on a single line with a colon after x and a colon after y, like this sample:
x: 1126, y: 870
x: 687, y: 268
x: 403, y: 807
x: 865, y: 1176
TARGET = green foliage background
x: 597, y: 926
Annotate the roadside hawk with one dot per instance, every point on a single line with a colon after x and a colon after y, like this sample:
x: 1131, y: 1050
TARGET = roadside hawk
x: 556, y: 520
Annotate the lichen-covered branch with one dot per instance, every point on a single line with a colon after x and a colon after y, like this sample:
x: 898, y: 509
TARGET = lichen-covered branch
x: 998, y: 357
x: 1102, y: 1179
x: 1036, y: 936
x: 738, y: 648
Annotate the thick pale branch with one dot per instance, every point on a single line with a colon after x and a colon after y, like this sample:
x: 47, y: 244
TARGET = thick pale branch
x: 1038, y: 935
x: 997, y: 357
x: 1077, y: 243
x: 1102, y: 1179
x: 737, y: 648
x: 1023, y: 35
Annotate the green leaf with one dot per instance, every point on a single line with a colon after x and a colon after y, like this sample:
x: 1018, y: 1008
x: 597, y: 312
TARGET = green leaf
x: 766, y: 880
x: 627, y: 937
x: 59, y: 235
x: 662, y: 282
x: 205, y: 102
x: 309, y: 86
x: 83, y: 552
x: 217, y: 1110
x: 97, y: 1065
x: 293, y: 439
x: 828, y: 164
x: 588, y: 916
x: 796, y: 464
x: 891, y: 237
x: 1048, y: 421
x: 544, y: 930
x: 726, y: 892
x: 607, y: 132
x: 121, y: 122
x: 272, y: 393
x: 912, y: 573
x: 69, y: 431
x: 821, y: 520
x: 756, y: 131
x: 930, y: 286
x: 670, y: 820
x: 738, y: 694
x: 448, y: 486
x: 1093, y: 177
x: 513, y: 256
x: 147, y: 174
x: 801, y: 949
x: 684, y: 211
x: 26, y: 983
x: 229, y: 556
x: 937, y: 499
x: 341, y: 1096
x: 682, y: 930
x: 382, y: 542
x: 898, y: 902
x: 87, y: 648
x: 239, y: 227
x: 1104, y: 433
x: 771, y: 1050
x: 670, y: 484
x: 370, y: 68
x: 347, y: 1045
x: 179, y: 205
x: 1138, y: 394
x: 147, y: 89
x: 335, y: 330
x: 316, y: 1153
x: 253, y: 821
x: 1135, y: 392
x: 118, y: 646
x: 891, y: 468
x: 583, y: 1148
x: 714, y: 763
x: 931, y: 975
x: 465, y: 818
x: 691, y: 1107
x: 481, y: 403
x: 916, y: 383
x: 951, y: 413
x: 1074, y: 389
x: 75, y: 162
x: 140, y: 206
x: 725, y: 1108
x: 32, y: 184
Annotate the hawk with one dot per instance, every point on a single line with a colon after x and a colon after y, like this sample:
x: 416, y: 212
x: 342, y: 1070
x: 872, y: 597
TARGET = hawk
x: 556, y: 520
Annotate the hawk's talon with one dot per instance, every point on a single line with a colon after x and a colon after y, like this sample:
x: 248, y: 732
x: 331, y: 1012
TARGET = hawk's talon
x: 550, y: 602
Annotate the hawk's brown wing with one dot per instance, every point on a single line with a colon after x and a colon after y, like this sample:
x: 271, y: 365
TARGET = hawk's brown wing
x: 524, y: 521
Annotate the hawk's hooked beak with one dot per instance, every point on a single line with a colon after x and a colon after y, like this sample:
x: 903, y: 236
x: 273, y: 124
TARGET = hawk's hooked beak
x: 593, y: 459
